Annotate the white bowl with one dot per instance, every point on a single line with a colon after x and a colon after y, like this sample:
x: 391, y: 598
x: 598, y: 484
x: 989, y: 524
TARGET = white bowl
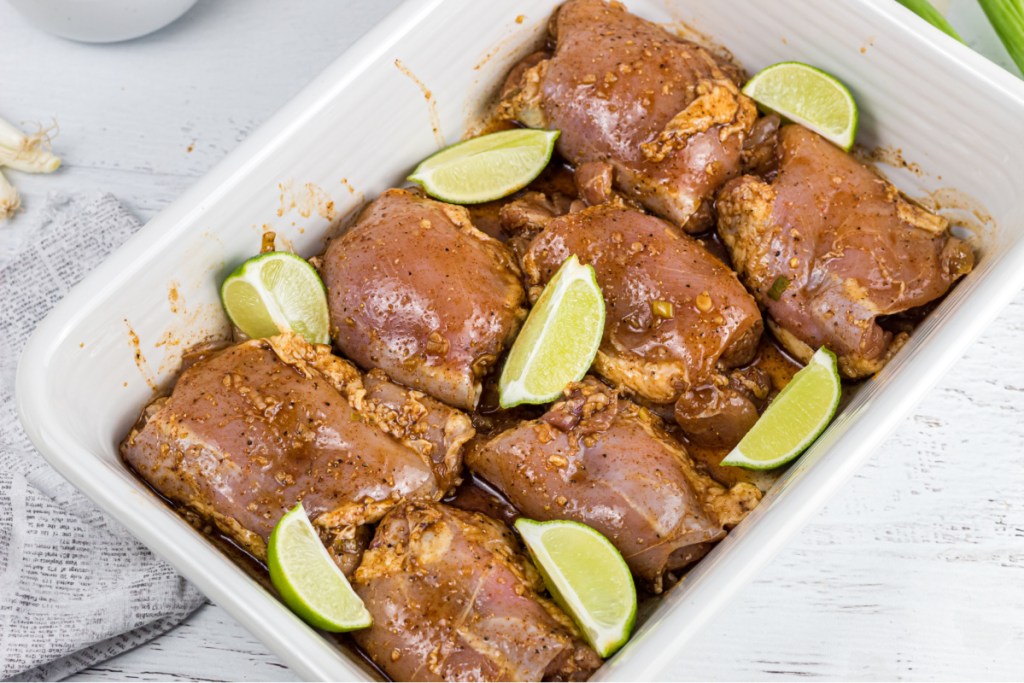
x: 368, y: 119
x: 101, y: 21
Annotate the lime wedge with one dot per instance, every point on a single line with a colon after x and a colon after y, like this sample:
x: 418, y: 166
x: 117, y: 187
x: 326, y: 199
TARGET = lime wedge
x: 486, y: 168
x: 274, y: 293
x: 808, y: 96
x: 559, y: 339
x: 308, y: 579
x: 794, y: 419
x: 587, y: 576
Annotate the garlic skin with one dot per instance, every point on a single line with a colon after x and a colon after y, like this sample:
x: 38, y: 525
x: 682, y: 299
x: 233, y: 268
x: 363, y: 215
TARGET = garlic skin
x: 10, y: 202
x: 28, y: 153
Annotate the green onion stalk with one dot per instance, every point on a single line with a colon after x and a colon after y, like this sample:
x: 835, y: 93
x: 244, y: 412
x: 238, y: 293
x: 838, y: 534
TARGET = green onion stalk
x: 1007, y: 18
x: 927, y: 11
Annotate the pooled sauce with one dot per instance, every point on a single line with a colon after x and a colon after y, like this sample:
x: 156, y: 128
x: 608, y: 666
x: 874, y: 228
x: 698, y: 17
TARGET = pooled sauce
x: 711, y: 241
x: 476, y: 495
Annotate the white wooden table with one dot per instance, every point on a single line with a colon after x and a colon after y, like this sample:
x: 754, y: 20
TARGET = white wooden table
x: 915, y: 571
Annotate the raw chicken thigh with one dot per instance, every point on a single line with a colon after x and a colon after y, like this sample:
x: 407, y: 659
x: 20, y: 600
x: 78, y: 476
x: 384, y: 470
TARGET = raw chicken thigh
x: 604, y: 461
x: 454, y: 599
x: 253, y: 429
x: 677, y: 319
x: 416, y: 290
x: 828, y: 247
x: 665, y: 114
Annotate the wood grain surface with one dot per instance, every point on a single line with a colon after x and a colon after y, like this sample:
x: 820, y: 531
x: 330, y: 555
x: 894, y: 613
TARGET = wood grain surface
x: 916, y: 571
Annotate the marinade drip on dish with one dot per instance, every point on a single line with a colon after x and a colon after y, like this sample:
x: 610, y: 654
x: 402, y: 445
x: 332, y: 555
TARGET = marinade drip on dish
x: 691, y: 208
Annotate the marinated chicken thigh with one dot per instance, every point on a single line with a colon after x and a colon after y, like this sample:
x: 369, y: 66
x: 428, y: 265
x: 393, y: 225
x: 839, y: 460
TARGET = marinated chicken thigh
x: 417, y: 291
x: 828, y: 247
x: 677, y: 319
x: 252, y: 430
x: 453, y: 598
x: 665, y: 114
x: 604, y: 461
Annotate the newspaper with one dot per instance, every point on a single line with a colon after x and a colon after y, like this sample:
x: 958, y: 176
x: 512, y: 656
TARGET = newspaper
x: 75, y: 587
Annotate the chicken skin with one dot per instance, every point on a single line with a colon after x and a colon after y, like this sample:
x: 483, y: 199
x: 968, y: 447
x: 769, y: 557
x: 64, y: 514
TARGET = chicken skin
x: 664, y: 113
x: 453, y: 598
x: 828, y: 247
x: 253, y: 429
x: 417, y: 291
x: 604, y: 461
x: 677, y: 319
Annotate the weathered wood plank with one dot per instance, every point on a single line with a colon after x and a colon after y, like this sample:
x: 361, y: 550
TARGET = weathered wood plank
x: 916, y: 571
x: 209, y: 646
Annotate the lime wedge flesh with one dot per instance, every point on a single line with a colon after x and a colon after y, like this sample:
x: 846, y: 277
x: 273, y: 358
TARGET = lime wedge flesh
x: 559, y: 339
x: 794, y: 419
x: 277, y: 292
x: 308, y: 579
x: 486, y: 168
x: 808, y: 96
x: 587, y: 577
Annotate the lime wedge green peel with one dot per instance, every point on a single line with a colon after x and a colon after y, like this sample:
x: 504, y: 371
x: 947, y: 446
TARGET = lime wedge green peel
x: 486, y: 168
x: 794, y: 419
x: 559, y: 339
x: 587, y: 577
x: 308, y: 579
x: 808, y: 96
x: 274, y: 293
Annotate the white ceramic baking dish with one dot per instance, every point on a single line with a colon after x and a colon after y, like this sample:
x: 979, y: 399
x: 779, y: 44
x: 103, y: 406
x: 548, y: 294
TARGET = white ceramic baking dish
x: 423, y: 76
